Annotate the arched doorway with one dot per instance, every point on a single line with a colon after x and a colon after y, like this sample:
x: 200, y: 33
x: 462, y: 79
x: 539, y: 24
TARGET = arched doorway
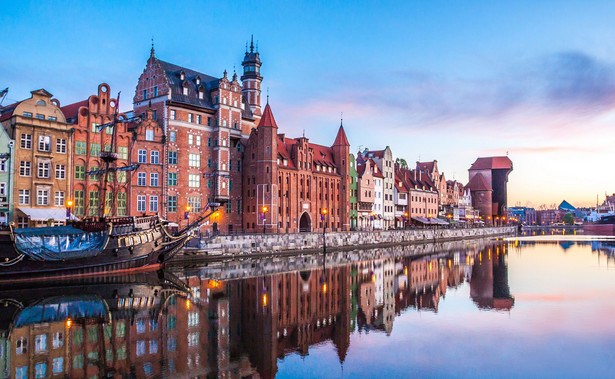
x: 305, y: 223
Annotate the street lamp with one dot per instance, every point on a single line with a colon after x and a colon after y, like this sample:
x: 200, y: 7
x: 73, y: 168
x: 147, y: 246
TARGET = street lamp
x: 323, y: 213
x: 265, y: 210
x: 405, y: 220
x: 69, y: 207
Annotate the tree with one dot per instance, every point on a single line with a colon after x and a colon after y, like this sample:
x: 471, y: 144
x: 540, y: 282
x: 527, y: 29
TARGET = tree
x: 401, y: 162
x: 568, y: 219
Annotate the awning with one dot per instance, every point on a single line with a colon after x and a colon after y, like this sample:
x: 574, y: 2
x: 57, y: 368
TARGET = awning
x: 44, y: 214
x: 399, y: 218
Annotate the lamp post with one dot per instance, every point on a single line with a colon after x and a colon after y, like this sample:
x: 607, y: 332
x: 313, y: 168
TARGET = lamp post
x: 405, y: 220
x: 323, y: 213
x: 69, y: 208
x: 265, y: 210
x: 373, y: 218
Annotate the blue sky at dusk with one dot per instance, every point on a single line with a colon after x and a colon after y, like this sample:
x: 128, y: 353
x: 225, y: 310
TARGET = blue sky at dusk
x: 441, y: 80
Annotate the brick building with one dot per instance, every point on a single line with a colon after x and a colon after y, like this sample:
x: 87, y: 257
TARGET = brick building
x: 42, y: 158
x: 147, y: 182
x: 422, y: 197
x: 288, y: 182
x: 88, y: 143
x: 205, y: 119
x: 488, y: 179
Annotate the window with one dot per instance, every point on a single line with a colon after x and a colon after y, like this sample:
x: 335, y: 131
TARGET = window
x: 190, y: 117
x: 122, y: 152
x: 93, y: 333
x: 79, y: 203
x: 42, y: 197
x: 141, y: 179
x: 58, y: 365
x: 121, y: 353
x: 171, y: 344
x: 155, y: 114
x: 144, y: 94
x: 25, y: 168
x: 80, y: 172
x: 78, y: 362
x: 172, y: 157
x: 40, y: 370
x: 140, y: 203
x: 153, y: 203
x: 209, y: 163
x: 21, y: 346
x: 141, y: 348
x: 172, y: 176
x: 61, y: 145
x: 155, y: 91
x: 95, y: 126
x: 60, y: 171
x: 149, y: 135
x: 2, y: 189
x: 172, y: 136
x: 193, y: 339
x: 195, y: 204
x: 27, y: 114
x: 121, y: 176
x: 208, y: 121
x: 154, y: 157
x: 93, y: 176
x: 190, y: 139
x: 172, y: 204
x: 194, y: 160
x: 93, y: 203
x: 153, y: 347
x: 194, y: 180
x: 153, y: 179
x: 120, y: 329
x: 43, y: 169
x: 26, y: 141
x: 198, y: 119
x: 3, y: 167
x: 40, y: 342
x: 173, y: 115
x: 193, y: 319
x: 109, y: 130
x: 58, y: 199
x: 40, y: 116
x: 58, y: 339
x: 95, y: 149
x: 44, y: 143
x: 80, y: 148
x: 121, y: 204
x: 198, y: 140
x: 142, y: 156
x: 185, y: 91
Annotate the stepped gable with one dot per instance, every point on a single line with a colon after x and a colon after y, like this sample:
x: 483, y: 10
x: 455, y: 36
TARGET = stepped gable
x: 478, y: 183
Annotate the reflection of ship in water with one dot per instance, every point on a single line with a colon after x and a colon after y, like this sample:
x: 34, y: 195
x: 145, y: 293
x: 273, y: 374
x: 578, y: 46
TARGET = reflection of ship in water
x: 489, y: 285
x: 606, y: 248
x: 150, y: 326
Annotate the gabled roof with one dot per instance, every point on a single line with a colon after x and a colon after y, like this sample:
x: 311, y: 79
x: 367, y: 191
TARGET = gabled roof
x: 70, y: 110
x: 267, y: 120
x: 566, y: 206
x: 426, y: 166
x: 494, y: 163
x: 478, y: 183
x: 7, y: 111
x: 375, y: 171
x: 341, y: 139
x: 375, y: 154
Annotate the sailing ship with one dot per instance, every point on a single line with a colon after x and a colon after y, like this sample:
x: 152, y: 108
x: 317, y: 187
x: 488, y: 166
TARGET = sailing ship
x: 90, y: 246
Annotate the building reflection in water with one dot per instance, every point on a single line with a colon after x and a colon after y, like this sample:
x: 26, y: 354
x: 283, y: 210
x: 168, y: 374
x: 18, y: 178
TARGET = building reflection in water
x: 192, y: 325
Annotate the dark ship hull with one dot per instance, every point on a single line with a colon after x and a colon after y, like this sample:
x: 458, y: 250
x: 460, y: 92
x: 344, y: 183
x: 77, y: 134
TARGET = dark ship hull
x: 604, y: 227
x: 139, y: 243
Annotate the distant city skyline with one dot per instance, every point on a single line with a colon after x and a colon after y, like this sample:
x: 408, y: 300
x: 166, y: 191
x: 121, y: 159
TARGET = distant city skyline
x: 432, y: 80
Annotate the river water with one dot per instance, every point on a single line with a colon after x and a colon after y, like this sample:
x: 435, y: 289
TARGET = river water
x: 533, y: 306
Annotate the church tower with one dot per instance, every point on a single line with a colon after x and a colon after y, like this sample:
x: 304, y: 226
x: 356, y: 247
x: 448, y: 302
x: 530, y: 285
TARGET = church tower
x: 252, y: 79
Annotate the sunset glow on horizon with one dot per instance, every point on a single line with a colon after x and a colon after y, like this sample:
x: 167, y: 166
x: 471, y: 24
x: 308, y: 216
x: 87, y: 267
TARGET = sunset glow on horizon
x: 434, y: 81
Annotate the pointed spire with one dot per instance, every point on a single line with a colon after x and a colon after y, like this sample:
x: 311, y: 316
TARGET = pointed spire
x: 341, y: 139
x: 225, y: 73
x: 342, y: 119
x: 151, y: 55
x: 267, y: 120
x: 252, y: 43
x: 267, y: 95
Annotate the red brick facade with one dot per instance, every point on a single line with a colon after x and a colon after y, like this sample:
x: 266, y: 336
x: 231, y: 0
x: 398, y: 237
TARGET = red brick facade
x: 205, y: 121
x: 88, y: 143
x: 288, y: 182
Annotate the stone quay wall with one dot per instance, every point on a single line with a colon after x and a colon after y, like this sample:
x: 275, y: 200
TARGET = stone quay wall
x: 268, y: 243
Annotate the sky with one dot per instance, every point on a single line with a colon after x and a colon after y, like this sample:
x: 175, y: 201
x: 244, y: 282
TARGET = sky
x: 441, y: 80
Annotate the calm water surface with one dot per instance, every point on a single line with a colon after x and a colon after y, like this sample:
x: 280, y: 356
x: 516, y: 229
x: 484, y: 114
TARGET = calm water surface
x: 533, y: 306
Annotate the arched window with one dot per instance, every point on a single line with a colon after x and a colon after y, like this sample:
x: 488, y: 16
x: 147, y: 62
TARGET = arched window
x: 41, y: 102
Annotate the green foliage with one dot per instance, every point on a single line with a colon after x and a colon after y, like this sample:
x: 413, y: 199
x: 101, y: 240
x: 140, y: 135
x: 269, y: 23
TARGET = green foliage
x: 568, y: 219
x: 401, y: 162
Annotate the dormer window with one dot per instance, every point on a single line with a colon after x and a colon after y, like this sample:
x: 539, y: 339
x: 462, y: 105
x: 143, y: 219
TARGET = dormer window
x: 197, y: 80
x: 185, y: 90
x: 201, y: 93
x: 182, y: 76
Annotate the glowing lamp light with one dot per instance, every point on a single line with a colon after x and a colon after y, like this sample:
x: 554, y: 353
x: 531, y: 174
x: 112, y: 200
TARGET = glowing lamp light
x: 406, y: 270
x: 265, y: 209
x: 188, y: 304
x: 69, y: 323
x: 188, y: 208
x: 373, y: 278
x: 324, y: 211
x: 69, y: 203
x: 324, y: 288
x: 264, y: 300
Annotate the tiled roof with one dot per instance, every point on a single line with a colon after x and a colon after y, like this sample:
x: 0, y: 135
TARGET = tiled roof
x: 375, y: 171
x: 426, y: 166
x: 478, y: 183
x: 208, y: 83
x: 7, y: 111
x: 267, y: 119
x: 341, y: 139
x: 70, y: 110
x: 375, y: 154
x: 492, y: 163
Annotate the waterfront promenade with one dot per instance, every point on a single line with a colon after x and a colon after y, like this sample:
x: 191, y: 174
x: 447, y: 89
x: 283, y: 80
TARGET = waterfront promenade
x: 254, y: 244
